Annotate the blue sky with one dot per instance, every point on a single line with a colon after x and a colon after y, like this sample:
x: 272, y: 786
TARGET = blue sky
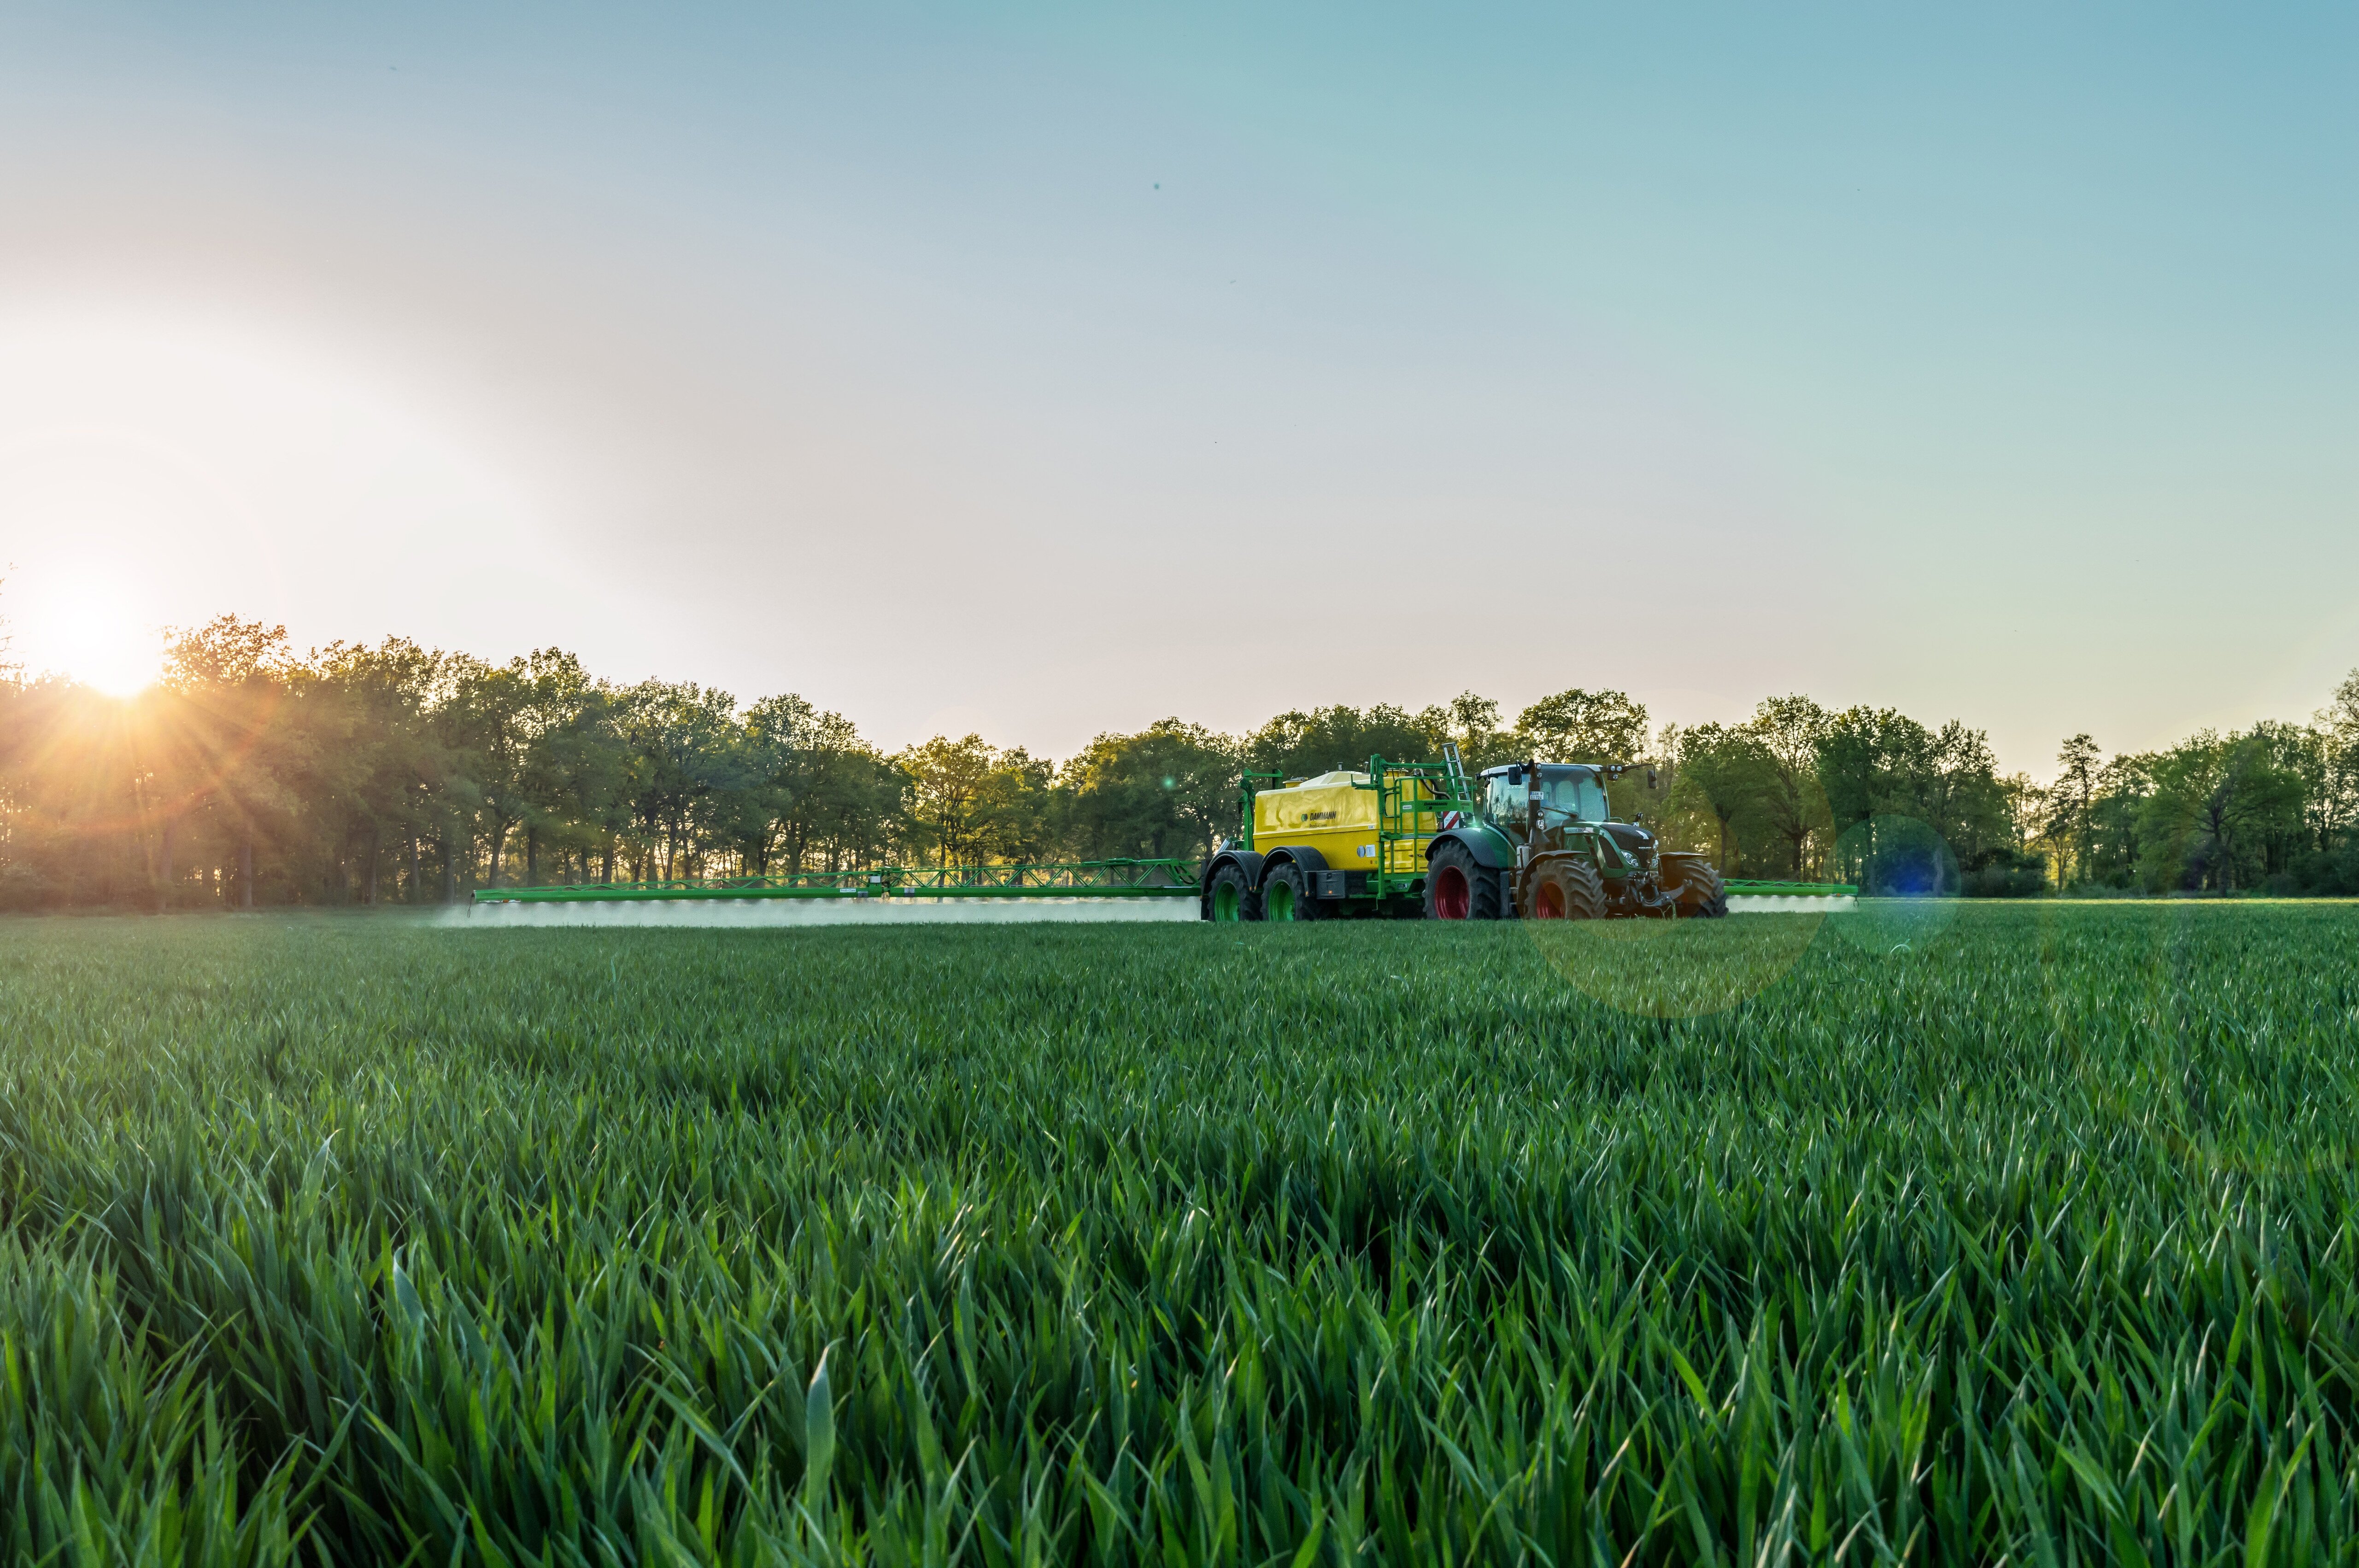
x: 1048, y: 371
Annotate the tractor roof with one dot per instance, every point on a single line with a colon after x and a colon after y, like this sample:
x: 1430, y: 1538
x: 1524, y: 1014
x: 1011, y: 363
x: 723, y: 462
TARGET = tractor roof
x: 1546, y: 769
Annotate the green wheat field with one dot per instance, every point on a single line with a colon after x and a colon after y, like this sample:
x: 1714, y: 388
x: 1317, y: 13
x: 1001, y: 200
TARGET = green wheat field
x: 341, y: 1239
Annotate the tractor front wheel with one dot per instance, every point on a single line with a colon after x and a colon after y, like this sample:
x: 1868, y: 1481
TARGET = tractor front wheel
x: 1565, y: 889
x: 1229, y: 896
x: 1457, y: 888
x: 1701, y: 893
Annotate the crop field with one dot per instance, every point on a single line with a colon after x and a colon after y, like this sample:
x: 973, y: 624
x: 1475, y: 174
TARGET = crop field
x: 2030, y: 1236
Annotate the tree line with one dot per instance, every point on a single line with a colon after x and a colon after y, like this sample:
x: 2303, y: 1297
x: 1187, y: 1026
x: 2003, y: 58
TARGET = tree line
x: 251, y: 775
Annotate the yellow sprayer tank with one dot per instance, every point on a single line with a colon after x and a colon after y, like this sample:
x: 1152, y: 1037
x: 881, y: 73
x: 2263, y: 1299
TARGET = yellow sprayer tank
x: 1336, y: 814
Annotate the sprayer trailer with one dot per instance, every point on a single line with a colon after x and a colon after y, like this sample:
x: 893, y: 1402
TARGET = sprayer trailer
x: 1527, y: 841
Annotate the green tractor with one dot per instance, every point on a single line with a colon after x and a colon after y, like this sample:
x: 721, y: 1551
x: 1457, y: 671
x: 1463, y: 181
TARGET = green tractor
x: 1529, y: 841
x: 1544, y: 846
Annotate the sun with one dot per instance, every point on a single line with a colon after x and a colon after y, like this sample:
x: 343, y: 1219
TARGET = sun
x: 92, y: 636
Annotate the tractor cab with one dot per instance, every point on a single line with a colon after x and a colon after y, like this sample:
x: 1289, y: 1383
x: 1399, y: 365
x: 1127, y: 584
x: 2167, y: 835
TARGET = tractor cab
x: 1572, y: 801
x: 1568, y: 794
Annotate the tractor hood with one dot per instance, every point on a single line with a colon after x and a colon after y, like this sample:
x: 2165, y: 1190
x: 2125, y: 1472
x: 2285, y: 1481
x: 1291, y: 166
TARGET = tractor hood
x: 1635, y: 841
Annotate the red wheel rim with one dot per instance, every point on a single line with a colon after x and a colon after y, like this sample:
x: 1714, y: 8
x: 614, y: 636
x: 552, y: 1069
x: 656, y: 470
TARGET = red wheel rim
x: 1451, y: 896
x: 1548, y: 903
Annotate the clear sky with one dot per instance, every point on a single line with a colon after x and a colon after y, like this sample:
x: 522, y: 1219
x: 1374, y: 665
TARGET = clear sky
x: 1048, y: 371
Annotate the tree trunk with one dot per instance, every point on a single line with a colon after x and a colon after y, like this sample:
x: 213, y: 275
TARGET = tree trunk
x: 450, y: 874
x: 606, y: 873
x: 411, y: 896
x: 499, y: 839
x: 371, y: 897
x: 531, y: 856
x: 164, y: 869
x: 245, y: 870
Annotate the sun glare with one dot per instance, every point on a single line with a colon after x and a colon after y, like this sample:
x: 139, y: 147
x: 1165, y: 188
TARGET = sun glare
x: 94, y: 639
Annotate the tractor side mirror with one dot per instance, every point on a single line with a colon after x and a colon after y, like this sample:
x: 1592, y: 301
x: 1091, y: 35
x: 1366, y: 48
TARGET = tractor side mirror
x: 1652, y: 781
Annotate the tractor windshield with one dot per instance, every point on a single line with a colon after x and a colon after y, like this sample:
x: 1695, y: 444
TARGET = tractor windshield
x: 1565, y: 794
x: 1574, y: 793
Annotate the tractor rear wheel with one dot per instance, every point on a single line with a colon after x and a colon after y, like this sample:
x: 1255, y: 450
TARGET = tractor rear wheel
x: 1228, y: 896
x: 1286, y: 894
x: 1698, y: 890
x: 1565, y: 889
x: 1457, y: 888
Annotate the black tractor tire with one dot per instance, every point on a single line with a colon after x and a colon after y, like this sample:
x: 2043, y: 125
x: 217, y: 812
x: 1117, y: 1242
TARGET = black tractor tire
x: 1229, y: 896
x: 1699, y: 891
x: 1564, y: 889
x: 1458, y: 887
x: 1286, y: 894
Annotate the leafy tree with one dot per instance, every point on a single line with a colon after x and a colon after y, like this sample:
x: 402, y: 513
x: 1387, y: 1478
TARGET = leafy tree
x: 1015, y: 814
x: 819, y: 780
x: 1786, y: 732
x: 1962, y: 796
x: 2025, y: 805
x: 67, y: 775
x: 382, y: 695
x: 571, y: 776
x: 484, y: 721
x: 2216, y: 801
x: 1876, y: 764
x: 1167, y: 791
x: 947, y: 794
x: 1473, y: 721
x: 684, y: 761
x: 1579, y: 725
x: 234, y: 749
x: 2338, y: 727
x: 1721, y: 783
x: 2116, y: 810
x: 2071, y: 801
x: 1296, y: 744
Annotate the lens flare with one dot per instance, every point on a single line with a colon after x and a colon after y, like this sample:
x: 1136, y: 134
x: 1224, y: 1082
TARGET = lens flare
x: 1909, y: 881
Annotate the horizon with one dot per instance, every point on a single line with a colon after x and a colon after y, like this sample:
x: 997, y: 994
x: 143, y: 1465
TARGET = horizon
x: 2332, y: 710
x: 1049, y: 374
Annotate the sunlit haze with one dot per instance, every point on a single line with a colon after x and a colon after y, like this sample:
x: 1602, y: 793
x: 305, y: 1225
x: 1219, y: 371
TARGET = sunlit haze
x: 92, y: 631
x: 1049, y: 372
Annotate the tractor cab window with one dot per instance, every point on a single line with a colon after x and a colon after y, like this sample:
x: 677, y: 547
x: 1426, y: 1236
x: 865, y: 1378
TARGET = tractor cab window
x: 1572, y: 792
x: 1503, y: 802
x: 1565, y: 794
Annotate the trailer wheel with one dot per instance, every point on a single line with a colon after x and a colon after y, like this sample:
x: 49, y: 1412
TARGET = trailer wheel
x: 1286, y: 894
x: 1566, y: 890
x: 1456, y: 888
x: 1230, y: 897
